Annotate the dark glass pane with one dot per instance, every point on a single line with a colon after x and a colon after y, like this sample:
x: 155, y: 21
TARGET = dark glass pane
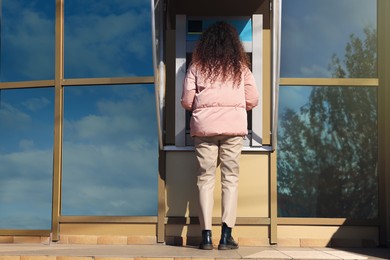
x: 317, y: 36
x: 27, y: 40
x: 110, y: 151
x: 327, y: 152
x: 26, y: 158
x: 108, y: 39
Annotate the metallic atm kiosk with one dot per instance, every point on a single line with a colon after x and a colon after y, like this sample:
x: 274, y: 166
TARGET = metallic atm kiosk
x: 177, y: 26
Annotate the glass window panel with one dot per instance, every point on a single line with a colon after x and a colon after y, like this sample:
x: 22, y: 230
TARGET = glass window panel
x: 108, y: 39
x: 110, y: 151
x: 327, y: 152
x: 27, y: 40
x: 317, y: 33
x: 26, y: 158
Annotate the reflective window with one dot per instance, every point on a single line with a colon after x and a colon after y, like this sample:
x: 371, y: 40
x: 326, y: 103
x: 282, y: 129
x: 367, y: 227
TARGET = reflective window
x: 108, y: 39
x: 110, y: 151
x: 317, y: 35
x: 26, y: 158
x: 27, y: 40
x: 327, y: 152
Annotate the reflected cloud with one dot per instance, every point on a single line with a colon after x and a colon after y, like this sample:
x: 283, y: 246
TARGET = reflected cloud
x: 312, y: 31
x: 25, y: 189
x: 25, y: 144
x: 110, y: 145
x: 12, y: 118
x: 101, y: 39
x: 128, y: 114
x: 109, y: 180
x: 110, y: 154
x: 35, y: 104
x: 26, y: 158
x: 27, y: 51
x: 315, y: 71
x: 293, y: 97
x: 31, y: 165
x: 115, y: 43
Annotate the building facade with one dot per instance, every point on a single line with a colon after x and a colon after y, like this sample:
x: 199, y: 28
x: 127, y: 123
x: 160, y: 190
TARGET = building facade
x: 95, y: 147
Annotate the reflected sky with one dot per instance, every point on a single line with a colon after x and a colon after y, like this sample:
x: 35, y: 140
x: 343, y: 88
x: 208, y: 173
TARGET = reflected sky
x: 312, y: 31
x: 110, y: 151
x: 327, y: 139
x: 26, y: 157
x: 102, y: 37
x: 110, y: 136
x: 327, y: 159
x: 27, y: 40
x: 293, y: 97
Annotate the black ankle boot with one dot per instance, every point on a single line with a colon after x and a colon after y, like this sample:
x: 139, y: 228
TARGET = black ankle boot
x: 207, y: 243
x: 227, y: 241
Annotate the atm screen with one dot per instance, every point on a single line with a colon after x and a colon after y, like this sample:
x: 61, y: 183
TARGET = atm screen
x: 243, y: 25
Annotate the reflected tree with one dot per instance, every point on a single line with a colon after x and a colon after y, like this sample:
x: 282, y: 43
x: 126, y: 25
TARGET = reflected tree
x: 327, y: 150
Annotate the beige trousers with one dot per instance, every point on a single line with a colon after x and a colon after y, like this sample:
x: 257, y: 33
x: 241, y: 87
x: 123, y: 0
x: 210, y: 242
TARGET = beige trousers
x: 210, y: 151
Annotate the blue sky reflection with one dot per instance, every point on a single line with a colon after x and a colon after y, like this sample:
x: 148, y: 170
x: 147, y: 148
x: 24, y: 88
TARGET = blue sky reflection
x: 108, y: 38
x: 26, y: 158
x: 312, y: 31
x: 27, y: 40
x: 110, y: 151
x: 110, y: 135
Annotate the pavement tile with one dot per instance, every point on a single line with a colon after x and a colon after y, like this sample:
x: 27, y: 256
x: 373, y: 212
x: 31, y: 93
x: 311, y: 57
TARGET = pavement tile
x: 74, y: 258
x: 9, y: 257
x: 27, y: 239
x: 37, y: 257
x: 112, y: 240
x: 6, y: 239
x: 154, y: 258
x: 346, y: 255
x: 113, y: 258
x: 308, y: 254
x: 269, y: 254
x: 84, y: 240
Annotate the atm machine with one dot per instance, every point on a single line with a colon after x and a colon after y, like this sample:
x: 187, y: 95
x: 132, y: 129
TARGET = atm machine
x: 188, y: 31
x: 177, y: 25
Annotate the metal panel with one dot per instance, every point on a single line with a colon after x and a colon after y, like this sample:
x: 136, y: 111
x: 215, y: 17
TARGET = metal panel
x: 26, y: 84
x: 159, y: 87
x: 273, y: 198
x: 257, y: 69
x: 384, y: 121
x: 180, y: 114
x: 339, y: 82
x: 276, y: 18
x: 158, y: 64
x: 327, y: 222
x: 107, y: 81
x: 276, y: 35
x: 108, y: 219
x: 58, y: 115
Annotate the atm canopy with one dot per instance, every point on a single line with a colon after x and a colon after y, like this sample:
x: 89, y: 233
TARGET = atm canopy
x: 218, y: 8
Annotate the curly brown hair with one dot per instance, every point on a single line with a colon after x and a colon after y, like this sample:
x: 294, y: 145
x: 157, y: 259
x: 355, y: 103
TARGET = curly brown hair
x: 219, y: 53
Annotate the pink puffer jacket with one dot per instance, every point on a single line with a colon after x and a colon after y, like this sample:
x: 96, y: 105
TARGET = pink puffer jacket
x: 218, y: 108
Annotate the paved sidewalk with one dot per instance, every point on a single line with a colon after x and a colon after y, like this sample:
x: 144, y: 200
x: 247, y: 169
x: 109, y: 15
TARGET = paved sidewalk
x: 139, y: 252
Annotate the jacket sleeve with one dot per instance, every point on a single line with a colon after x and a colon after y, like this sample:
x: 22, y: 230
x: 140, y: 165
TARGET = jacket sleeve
x: 251, y: 93
x: 189, y: 89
